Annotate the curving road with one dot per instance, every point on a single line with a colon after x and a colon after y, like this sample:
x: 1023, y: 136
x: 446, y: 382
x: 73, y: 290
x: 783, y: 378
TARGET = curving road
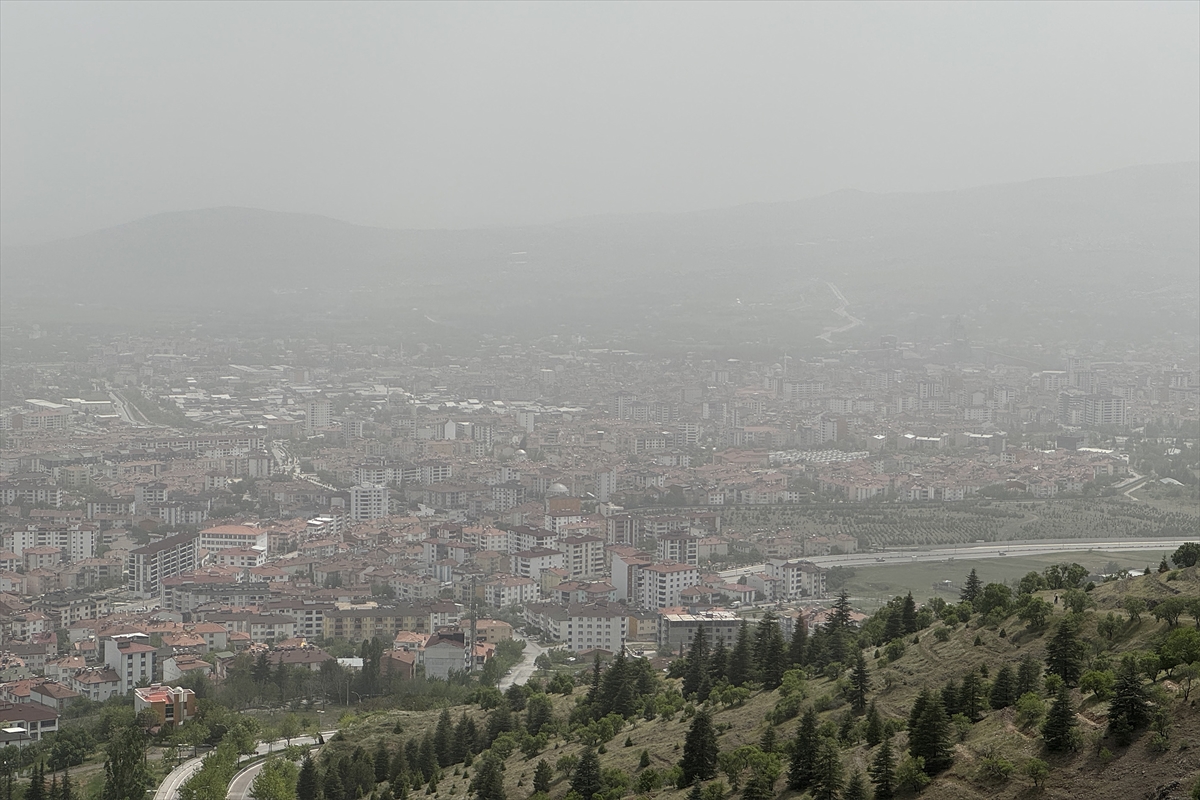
x: 169, y: 788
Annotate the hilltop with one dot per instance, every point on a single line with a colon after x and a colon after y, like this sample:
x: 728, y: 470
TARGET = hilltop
x: 1102, y: 249
x: 1100, y: 768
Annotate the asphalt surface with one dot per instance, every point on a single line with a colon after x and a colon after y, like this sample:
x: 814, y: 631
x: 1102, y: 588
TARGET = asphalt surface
x: 522, y: 672
x: 1008, y: 549
x: 169, y: 788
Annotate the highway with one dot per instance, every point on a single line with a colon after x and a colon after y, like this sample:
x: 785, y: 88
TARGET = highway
x: 169, y: 788
x: 1009, y: 549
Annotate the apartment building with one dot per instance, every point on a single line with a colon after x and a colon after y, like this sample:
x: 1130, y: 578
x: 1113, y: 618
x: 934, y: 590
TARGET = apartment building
x: 242, y: 537
x: 76, y: 542
x: 660, y: 585
x: 510, y: 590
x: 131, y: 657
x: 682, y: 548
x: 597, y: 626
x: 583, y: 556
x: 166, y: 558
x: 796, y: 578
x: 171, y: 705
x: 368, y: 501
x: 677, y: 630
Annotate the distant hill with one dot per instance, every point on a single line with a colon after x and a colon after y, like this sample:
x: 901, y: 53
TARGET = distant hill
x: 1106, y: 255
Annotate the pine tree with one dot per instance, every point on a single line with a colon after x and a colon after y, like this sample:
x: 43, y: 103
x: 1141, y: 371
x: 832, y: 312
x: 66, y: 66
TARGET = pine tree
x: 700, y: 750
x: 856, y: 787
x: 65, y: 790
x: 465, y: 735
x: 827, y: 771
x: 1002, y: 694
x: 1128, y: 709
x: 718, y: 662
x: 125, y: 774
x: 860, y: 683
x: 971, y: 588
x: 804, y: 746
x: 798, y: 644
x: 594, y: 690
x: 307, y: 785
x: 893, y: 625
x: 883, y: 772
x: 383, y: 762
x: 586, y: 779
x: 837, y: 628
x: 874, y: 731
x: 54, y: 787
x: 757, y: 789
x: 1029, y: 676
x: 543, y: 774
x: 970, y: 698
x: 37, y: 784
x: 332, y: 788
x: 741, y: 665
x: 1064, y: 653
x: 929, y: 738
x: 951, y: 696
x: 697, y: 663
x: 427, y: 762
x: 488, y: 781
x: 767, y: 743
x: 769, y: 651
x: 443, y: 736
x: 1058, y: 729
x: 908, y: 615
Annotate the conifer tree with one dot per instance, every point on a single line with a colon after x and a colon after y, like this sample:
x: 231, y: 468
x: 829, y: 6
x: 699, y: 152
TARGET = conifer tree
x: 488, y: 781
x: 700, y: 750
x: 827, y: 770
x: 594, y: 690
x: 382, y: 762
x: 718, y: 661
x: 769, y: 651
x: 1029, y: 676
x: 741, y: 664
x: 332, y: 786
x: 970, y: 698
x: 1003, y: 690
x: 37, y: 784
x: 65, y: 790
x: 856, y: 787
x: 804, y: 747
x: 465, y: 735
x: 1128, y: 709
x: 1058, y: 729
x: 837, y: 628
x: 883, y: 772
x: 971, y: 588
x: 757, y: 789
x: 427, y: 762
x: 930, y: 737
x: 697, y: 663
x: 893, y: 626
x: 908, y: 615
x: 874, y: 732
x: 442, y: 736
x: 799, y: 642
x: 307, y: 784
x: 125, y: 774
x: 951, y: 696
x: 1064, y: 653
x: 767, y: 743
x: 54, y: 787
x: 860, y: 683
x: 543, y: 774
x: 586, y: 779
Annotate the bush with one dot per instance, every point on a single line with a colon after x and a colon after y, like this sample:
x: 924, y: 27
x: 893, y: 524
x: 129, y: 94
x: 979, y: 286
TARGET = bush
x: 1030, y: 709
x: 894, y: 650
x: 996, y: 768
x: 1038, y: 771
x: 942, y: 634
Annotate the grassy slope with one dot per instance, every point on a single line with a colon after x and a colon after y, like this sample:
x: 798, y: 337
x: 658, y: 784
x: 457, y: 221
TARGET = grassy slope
x: 931, y: 663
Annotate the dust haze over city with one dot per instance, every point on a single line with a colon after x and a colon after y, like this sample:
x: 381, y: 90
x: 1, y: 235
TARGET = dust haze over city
x: 432, y: 397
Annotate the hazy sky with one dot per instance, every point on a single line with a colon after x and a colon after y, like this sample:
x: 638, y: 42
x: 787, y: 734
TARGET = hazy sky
x: 460, y: 114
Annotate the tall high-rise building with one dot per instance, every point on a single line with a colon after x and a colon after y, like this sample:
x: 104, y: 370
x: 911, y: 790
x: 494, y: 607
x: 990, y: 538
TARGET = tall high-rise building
x: 318, y: 415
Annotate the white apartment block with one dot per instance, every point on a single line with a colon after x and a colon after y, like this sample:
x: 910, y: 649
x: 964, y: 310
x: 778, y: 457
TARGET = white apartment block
x: 527, y: 537
x: 131, y: 656
x: 509, y: 590
x: 796, y: 578
x: 683, y: 548
x: 368, y: 502
x: 660, y: 585
x: 581, y: 627
x: 242, y: 537
x: 583, y: 556
x: 532, y: 563
x: 166, y: 558
x: 76, y: 543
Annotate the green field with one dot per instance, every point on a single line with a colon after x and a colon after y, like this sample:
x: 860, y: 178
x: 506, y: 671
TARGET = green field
x: 872, y: 586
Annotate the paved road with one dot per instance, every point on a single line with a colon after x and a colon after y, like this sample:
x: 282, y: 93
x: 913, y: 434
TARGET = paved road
x: 975, y: 551
x: 169, y: 788
x: 239, y: 787
x: 522, y: 672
